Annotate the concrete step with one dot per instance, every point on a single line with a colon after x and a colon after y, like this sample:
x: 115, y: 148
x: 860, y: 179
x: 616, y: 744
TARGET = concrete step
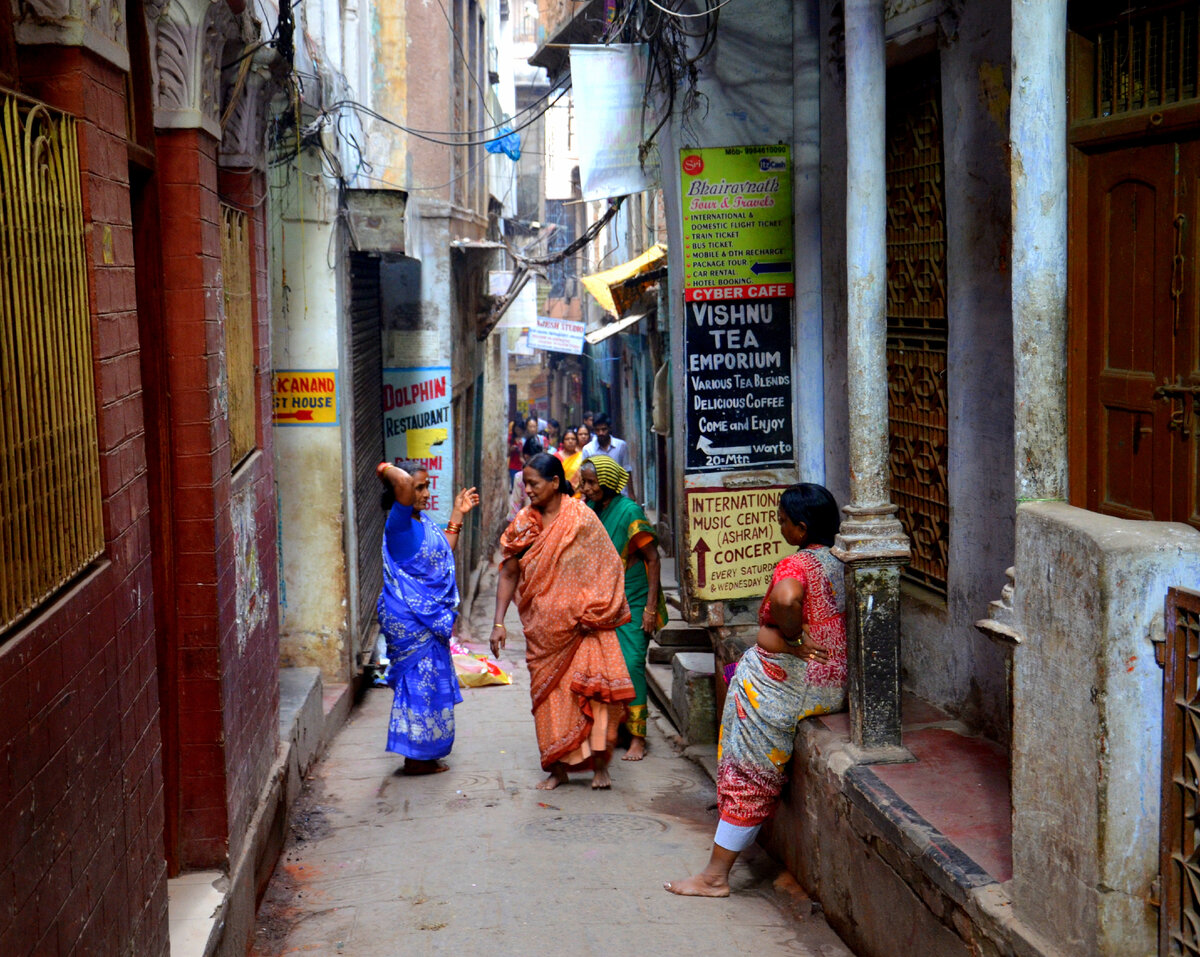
x: 693, y: 696
x: 662, y: 654
x: 659, y: 679
x: 680, y: 633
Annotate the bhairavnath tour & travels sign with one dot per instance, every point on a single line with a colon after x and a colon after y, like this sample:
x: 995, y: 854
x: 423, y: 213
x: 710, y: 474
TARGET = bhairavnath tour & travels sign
x: 739, y: 281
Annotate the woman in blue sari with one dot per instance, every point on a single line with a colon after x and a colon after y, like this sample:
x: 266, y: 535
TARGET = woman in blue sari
x: 416, y: 612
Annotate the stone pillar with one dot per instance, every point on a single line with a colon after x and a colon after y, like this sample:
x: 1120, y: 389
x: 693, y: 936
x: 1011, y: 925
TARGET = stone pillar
x: 1038, y: 137
x: 871, y: 540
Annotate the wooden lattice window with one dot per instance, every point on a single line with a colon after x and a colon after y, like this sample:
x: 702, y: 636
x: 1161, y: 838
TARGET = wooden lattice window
x: 1143, y: 58
x: 1179, y: 859
x: 916, y: 317
x: 239, y: 332
x: 51, y: 526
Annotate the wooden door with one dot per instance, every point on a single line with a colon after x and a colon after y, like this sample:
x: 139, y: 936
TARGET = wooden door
x: 1184, y: 403
x: 1142, y: 293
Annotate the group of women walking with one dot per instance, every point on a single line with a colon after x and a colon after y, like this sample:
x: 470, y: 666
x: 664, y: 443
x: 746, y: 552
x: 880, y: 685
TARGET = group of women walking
x: 584, y: 572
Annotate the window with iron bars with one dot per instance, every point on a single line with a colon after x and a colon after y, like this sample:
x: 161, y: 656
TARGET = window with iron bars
x: 51, y: 526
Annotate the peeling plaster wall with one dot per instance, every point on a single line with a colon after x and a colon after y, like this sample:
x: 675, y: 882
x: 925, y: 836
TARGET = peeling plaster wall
x: 945, y: 659
x: 1087, y: 723
x: 305, y: 302
x: 943, y: 656
x: 835, y: 405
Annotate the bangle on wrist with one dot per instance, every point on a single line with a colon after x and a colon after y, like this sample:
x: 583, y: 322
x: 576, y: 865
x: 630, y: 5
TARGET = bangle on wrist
x: 498, y: 624
x: 453, y: 528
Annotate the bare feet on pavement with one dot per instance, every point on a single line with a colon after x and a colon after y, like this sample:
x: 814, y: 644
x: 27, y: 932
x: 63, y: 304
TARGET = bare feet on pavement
x: 556, y: 777
x: 637, y: 749
x: 413, y: 766
x: 699, y: 885
x: 600, y: 780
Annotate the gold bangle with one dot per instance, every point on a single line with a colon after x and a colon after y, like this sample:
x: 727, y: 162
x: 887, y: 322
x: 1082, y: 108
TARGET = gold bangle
x: 499, y: 624
x: 453, y: 528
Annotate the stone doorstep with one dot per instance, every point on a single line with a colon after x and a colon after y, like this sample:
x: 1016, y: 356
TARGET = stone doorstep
x: 983, y: 900
x: 659, y: 655
x: 948, y: 867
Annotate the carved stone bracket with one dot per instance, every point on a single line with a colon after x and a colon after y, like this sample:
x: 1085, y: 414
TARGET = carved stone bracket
x: 244, y: 112
x: 1000, y: 624
x: 97, y: 25
x: 187, y: 41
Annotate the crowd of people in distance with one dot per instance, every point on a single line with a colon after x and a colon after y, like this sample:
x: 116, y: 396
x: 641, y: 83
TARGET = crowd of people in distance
x: 580, y: 559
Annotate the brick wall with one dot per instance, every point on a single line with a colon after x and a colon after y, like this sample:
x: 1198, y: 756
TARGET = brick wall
x: 81, y: 855
x: 251, y: 673
x: 190, y: 210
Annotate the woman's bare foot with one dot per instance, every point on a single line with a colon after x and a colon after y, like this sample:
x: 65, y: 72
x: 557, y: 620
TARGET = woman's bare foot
x: 414, y: 766
x: 556, y: 777
x: 637, y: 749
x: 699, y: 885
x: 600, y: 780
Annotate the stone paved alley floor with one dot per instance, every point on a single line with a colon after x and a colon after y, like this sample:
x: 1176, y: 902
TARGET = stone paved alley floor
x: 475, y: 860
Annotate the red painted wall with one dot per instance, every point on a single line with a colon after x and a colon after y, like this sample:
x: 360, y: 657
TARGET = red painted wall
x: 81, y: 854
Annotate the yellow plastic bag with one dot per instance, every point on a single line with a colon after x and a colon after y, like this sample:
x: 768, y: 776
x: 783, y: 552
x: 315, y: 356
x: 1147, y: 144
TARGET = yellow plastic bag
x: 475, y: 671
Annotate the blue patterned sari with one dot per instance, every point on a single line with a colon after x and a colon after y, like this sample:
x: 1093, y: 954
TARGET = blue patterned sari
x: 416, y: 612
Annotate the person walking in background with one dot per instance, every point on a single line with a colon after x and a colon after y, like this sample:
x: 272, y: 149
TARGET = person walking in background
x: 516, y: 438
x: 532, y: 427
x: 601, y: 481
x: 570, y: 456
x: 583, y: 435
x: 796, y: 670
x: 605, y: 443
x: 571, y: 599
x: 518, y: 498
x: 416, y: 611
x: 552, y: 436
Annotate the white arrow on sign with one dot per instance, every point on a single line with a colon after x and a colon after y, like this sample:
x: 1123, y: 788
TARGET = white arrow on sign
x: 705, y: 445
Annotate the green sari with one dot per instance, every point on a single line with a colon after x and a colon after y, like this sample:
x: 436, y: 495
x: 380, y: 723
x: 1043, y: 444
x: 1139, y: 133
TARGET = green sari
x: 624, y: 519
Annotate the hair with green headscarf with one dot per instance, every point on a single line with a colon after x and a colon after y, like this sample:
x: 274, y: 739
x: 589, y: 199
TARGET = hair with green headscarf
x: 609, y: 473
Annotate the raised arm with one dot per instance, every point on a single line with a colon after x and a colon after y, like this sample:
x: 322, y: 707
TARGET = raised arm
x: 506, y: 587
x: 464, y: 501
x: 400, y: 481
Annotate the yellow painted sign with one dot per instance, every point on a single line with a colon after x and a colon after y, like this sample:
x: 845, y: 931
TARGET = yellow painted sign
x: 734, y: 541
x: 305, y: 397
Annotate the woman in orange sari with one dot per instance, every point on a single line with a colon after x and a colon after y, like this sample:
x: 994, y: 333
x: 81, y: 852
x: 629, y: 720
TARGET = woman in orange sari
x: 569, y: 584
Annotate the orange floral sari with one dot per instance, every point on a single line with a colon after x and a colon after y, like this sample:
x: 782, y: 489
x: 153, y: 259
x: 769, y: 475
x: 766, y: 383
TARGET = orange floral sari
x: 571, y: 598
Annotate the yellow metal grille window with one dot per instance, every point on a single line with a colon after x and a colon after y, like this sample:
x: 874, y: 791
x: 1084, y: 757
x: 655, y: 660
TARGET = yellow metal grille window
x: 239, y: 331
x: 916, y: 318
x: 50, y: 520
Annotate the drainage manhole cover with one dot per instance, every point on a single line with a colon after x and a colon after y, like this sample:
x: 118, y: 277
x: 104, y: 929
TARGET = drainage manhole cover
x: 596, y: 828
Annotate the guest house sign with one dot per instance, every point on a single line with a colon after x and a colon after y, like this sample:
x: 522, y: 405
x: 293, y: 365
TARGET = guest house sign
x: 739, y: 282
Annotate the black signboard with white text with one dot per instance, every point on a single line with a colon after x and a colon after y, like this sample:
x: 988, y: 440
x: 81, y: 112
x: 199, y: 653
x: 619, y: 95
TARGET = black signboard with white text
x: 738, y: 392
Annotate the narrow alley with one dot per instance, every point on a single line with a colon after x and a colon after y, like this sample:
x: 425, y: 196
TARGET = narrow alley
x: 477, y: 859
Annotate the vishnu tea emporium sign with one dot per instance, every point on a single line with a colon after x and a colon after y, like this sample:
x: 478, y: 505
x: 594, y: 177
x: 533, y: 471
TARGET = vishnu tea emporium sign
x: 739, y: 282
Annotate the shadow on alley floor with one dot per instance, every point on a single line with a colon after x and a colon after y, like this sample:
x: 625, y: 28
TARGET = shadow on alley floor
x: 476, y: 858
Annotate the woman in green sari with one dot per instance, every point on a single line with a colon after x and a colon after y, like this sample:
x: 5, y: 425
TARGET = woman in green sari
x: 601, y: 480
